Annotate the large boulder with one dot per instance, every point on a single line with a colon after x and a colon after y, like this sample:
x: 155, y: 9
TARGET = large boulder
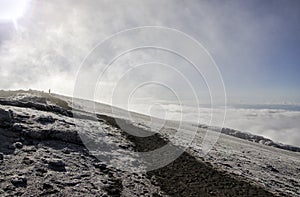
x: 6, y: 119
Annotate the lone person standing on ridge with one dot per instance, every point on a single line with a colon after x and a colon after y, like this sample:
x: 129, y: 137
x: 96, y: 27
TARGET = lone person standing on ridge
x: 49, y: 91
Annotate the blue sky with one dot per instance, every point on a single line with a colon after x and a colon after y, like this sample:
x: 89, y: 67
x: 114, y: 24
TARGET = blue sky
x: 265, y: 62
x: 254, y: 43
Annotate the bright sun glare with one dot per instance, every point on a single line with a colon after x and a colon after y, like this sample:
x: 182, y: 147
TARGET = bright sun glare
x: 12, y: 10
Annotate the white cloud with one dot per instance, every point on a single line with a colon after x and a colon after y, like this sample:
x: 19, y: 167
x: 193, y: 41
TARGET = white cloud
x: 276, y: 124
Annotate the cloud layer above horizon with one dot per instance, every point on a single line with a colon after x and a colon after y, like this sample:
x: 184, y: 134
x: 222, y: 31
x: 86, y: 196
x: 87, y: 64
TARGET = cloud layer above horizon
x: 276, y: 124
x: 253, y: 43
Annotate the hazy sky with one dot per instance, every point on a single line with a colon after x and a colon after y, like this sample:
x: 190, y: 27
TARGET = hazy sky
x: 254, y: 43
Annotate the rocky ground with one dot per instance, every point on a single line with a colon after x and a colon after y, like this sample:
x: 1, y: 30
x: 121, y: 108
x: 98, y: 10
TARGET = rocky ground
x: 42, y: 154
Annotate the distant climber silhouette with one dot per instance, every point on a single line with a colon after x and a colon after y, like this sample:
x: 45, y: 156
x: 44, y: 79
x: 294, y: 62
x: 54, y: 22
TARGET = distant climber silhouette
x: 49, y: 91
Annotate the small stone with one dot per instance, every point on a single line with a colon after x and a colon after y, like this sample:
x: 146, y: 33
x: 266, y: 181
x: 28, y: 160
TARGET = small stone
x: 19, y: 181
x: 100, y: 166
x: 57, y: 162
x: 227, y: 165
x: 57, y: 165
x: 45, y: 119
x: 66, y: 151
x: 47, y: 186
x: 104, y: 181
x: 17, y: 127
x: 272, y: 169
x: 27, y: 160
x: 40, y: 171
x: 18, y: 145
x: 123, y: 146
